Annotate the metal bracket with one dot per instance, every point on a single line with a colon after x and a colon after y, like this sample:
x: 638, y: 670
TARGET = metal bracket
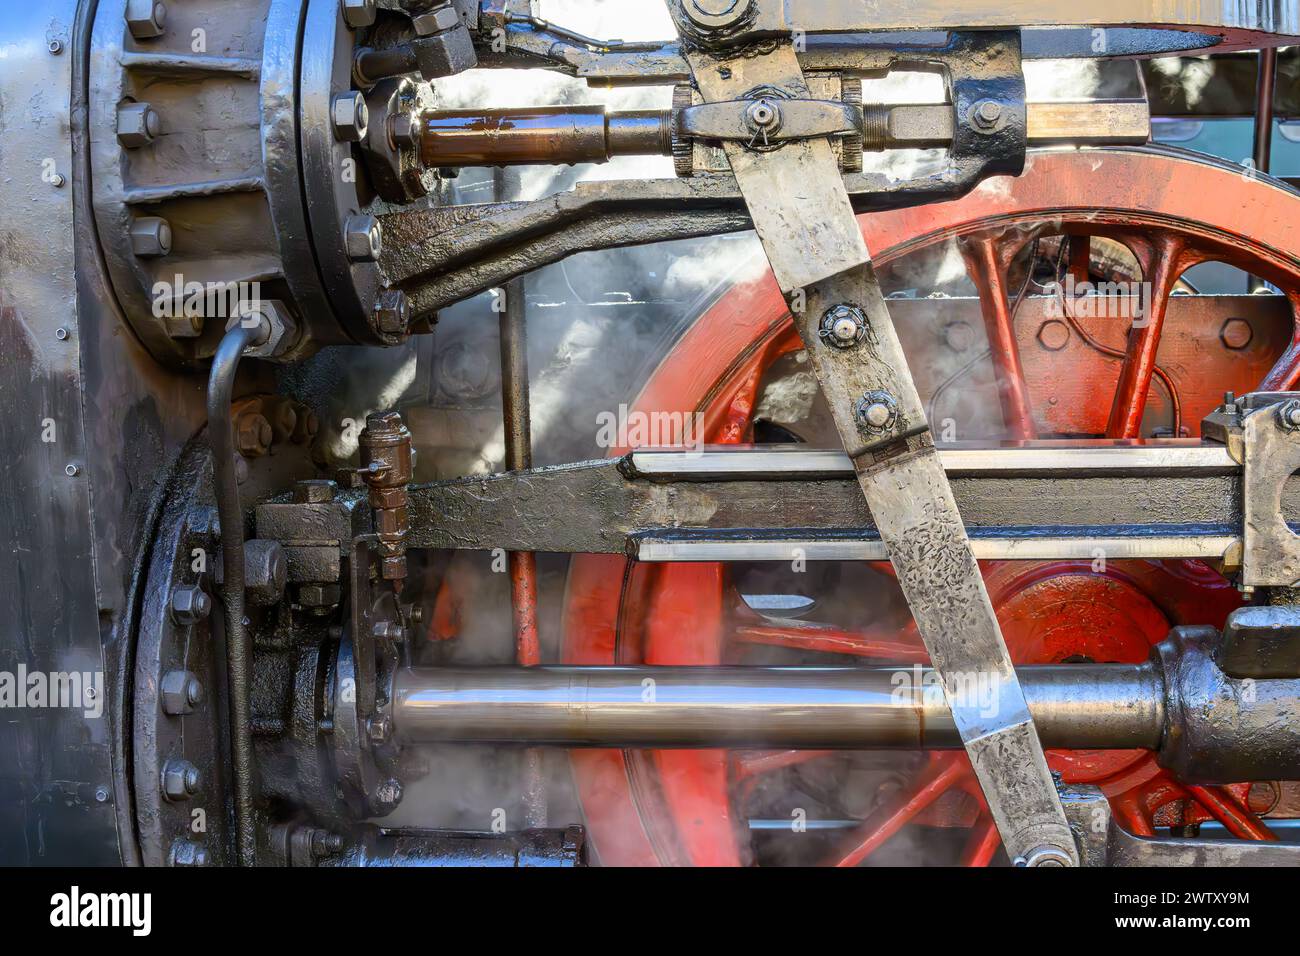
x: 1262, y: 431
x: 770, y: 118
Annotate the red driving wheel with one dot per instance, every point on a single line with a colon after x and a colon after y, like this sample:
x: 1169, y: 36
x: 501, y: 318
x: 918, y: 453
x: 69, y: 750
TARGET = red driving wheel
x: 1172, y: 211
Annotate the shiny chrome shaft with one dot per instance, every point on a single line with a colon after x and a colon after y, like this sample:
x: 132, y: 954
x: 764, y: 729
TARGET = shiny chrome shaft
x: 1082, y: 706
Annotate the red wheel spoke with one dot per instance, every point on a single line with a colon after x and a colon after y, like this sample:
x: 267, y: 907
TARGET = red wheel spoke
x: 903, y: 645
x: 1161, y: 270
x: 1286, y: 372
x: 989, y: 274
x: 1238, y: 820
x: 983, y: 843
x: 752, y: 763
x: 937, y: 779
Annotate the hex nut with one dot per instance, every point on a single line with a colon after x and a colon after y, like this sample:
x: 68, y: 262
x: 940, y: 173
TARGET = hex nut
x: 364, y: 238
x: 435, y: 21
x: 359, y: 13
x: 181, y: 692
x: 151, y: 237
x: 716, y: 14
x: 1236, y: 334
x: 188, y: 853
x: 392, y: 312
x: 275, y: 317
x: 190, y: 605
x: 315, y: 492
x: 137, y: 125
x: 351, y: 117
x: 387, y: 796
x: 146, y: 18
x: 320, y: 595
x: 403, y: 129
x: 180, y: 780
x: 265, y: 572
x: 253, y: 435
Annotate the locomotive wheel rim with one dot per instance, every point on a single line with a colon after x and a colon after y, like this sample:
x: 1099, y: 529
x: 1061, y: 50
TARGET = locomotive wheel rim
x: 1173, y: 210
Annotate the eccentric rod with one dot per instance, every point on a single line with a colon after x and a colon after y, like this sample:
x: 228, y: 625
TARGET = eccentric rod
x: 1081, y: 706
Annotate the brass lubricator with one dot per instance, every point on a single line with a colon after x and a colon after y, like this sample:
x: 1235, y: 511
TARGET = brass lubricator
x: 387, y: 468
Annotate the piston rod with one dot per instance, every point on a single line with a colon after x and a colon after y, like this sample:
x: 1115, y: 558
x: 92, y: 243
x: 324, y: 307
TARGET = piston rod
x: 1081, y: 706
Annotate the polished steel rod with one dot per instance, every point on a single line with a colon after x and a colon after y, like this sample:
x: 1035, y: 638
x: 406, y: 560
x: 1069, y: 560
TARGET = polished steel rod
x: 1082, y: 706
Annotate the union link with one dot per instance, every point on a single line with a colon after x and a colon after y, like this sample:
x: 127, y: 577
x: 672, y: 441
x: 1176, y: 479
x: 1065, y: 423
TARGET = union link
x: 386, y: 468
x: 801, y: 211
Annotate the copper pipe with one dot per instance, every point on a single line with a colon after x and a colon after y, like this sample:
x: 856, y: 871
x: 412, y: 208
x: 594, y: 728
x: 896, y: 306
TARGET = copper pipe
x: 541, y: 135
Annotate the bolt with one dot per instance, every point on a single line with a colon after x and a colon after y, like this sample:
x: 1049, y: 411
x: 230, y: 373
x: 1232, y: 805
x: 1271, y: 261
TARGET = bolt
x: 314, y: 492
x: 1045, y: 855
x: 1054, y: 335
x: 265, y: 571
x: 325, y: 844
x: 150, y: 237
x: 388, y: 631
x: 58, y: 180
x: 435, y: 21
x: 180, y: 780
x: 985, y: 115
x: 379, y: 729
x: 364, y: 238
x: 843, y: 327
x: 190, y: 604
x: 876, y: 411
x: 1236, y: 334
x: 319, y: 595
x: 253, y: 435
x: 61, y: 334
x: 404, y: 129
x: 764, y: 116
x: 71, y: 470
x: 359, y: 13
x: 181, y: 693
x: 188, y: 853
x: 55, y: 46
x: 101, y: 794
x: 387, y: 796
x: 145, y: 18
x: 716, y: 14
x: 351, y: 117
x: 137, y: 125
x: 1288, y: 415
x: 392, y: 312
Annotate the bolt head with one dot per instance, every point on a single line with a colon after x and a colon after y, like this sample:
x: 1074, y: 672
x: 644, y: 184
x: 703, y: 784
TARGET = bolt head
x: 392, y: 312
x: 190, y: 604
x: 1046, y: 855
x: 764, y: 114
x: 387, y: 796
x: 320, y: 595
x: 151, y: 237
x: 716, y: 14
x: 1288, y: 415
x: 1054, y: 335
x: 876, y: 412
x: 364, y: 238
x: 351, y: 117
x: 1236, y: 334
x: 137, y: 125
x: 146, y: 18
x: 843, y: 327
x: 253, y: 435
x: 436, y: 21
x: 181, y: 692
x: 380, y: 730
x: 315, y: 492
x: 180, y: 780
x: 359, y: 13
x: 985, y: 114
x: 403, y: 127
x: 265, y: 571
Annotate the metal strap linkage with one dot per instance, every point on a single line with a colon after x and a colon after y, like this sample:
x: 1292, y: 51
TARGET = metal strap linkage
x: 802, y: 213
